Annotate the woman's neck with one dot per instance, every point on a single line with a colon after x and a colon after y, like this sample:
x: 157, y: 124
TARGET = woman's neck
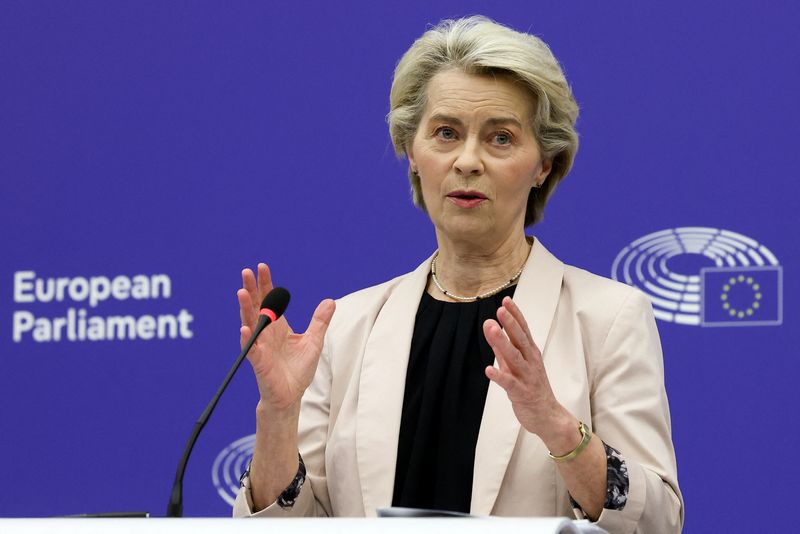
x: 467, y: 270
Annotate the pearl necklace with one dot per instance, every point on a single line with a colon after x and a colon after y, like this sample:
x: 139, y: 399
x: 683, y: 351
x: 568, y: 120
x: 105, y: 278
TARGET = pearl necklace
x: 476, y: 297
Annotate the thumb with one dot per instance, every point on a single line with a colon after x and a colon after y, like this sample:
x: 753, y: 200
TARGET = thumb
x: 321, y: 320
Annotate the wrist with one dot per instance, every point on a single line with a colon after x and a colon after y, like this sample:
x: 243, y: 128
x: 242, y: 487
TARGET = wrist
x: 563, y: 434
x: 283, y: 416
x: 586, y: 437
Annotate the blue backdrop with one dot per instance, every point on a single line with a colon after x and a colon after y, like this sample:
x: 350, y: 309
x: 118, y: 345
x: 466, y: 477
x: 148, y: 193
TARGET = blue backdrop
x: 149, y: 151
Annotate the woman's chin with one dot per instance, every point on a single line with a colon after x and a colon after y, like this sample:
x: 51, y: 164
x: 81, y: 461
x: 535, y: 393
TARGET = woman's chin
x: 469, y: 229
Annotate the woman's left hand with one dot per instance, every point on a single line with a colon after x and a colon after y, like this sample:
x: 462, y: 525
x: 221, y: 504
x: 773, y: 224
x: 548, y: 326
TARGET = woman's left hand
x: 521, y: 374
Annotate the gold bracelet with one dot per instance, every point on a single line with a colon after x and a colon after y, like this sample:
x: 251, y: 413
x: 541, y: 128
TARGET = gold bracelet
x: 586, y: 437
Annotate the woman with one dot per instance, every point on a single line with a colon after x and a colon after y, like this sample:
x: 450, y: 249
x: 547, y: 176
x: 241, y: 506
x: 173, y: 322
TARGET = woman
x: 438, y: 389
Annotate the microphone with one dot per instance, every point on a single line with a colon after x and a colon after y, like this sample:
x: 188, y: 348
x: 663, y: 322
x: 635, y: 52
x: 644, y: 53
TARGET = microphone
x: 272, y: 307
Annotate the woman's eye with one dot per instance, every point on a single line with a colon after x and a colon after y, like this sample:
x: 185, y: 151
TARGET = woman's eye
x: 502, y: 138
x: 446, y: 133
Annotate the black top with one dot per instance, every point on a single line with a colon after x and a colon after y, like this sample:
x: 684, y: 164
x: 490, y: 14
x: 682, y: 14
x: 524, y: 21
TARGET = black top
x: 443, y: 403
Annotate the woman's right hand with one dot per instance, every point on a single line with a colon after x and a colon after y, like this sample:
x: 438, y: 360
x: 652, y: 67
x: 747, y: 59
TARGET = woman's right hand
x: 284, y: 362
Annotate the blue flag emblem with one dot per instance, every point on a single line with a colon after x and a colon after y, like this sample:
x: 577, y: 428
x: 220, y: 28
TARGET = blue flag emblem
x: 741, y: 296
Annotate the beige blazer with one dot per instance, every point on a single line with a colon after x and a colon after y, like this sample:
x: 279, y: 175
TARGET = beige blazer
x: 603, y: 358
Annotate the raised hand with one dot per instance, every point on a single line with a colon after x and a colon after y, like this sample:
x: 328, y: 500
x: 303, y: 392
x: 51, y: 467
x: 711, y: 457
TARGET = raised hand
x: 284, y: 362
x: 522, y: 375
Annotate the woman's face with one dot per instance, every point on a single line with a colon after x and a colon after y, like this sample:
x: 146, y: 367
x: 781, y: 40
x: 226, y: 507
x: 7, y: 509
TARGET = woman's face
x: 476, y: 156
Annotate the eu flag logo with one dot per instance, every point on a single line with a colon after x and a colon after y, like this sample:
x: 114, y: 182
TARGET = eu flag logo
x: 742, y: 296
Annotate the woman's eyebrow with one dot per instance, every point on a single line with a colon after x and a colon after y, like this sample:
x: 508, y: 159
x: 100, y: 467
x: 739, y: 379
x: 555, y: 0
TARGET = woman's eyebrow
x: 499, y: 121
x: 494, y: 121
x: 441, y: 117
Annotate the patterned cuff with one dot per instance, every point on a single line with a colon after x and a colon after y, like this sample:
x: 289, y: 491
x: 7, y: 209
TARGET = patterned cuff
x: 290, y: 494
x: 617, y: 482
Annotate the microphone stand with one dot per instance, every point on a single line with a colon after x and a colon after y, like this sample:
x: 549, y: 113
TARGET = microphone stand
x: 276, y: 300
x: 175, y: 507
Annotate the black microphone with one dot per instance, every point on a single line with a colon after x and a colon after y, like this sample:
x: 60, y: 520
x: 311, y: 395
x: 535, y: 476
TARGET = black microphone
x: 272, y: 307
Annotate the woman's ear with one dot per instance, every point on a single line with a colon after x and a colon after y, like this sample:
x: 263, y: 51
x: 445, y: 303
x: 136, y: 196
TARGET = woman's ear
x: 411, y: 163
x: 547, y: 166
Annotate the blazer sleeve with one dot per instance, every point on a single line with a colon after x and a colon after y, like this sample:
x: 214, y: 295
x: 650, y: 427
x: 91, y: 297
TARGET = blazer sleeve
x: 630, y: 413
x: 313, y: 499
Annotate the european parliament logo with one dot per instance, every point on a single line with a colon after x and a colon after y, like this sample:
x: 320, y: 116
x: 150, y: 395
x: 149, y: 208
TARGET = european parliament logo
x: 704, y: 277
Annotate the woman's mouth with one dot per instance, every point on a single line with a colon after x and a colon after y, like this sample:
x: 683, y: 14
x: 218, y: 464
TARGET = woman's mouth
x: 466, y: 199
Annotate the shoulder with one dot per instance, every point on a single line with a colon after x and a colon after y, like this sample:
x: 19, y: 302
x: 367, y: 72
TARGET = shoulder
x: 360, y: 309
x: 599, y: 300
x: 369, y: 297
x: 587, y: 286
x: 616, y: 327
x: 580, y: 290
x: 383, y: 308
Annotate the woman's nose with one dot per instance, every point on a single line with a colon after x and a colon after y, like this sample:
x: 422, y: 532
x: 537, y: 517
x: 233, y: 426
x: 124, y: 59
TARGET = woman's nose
x: 469, y: 161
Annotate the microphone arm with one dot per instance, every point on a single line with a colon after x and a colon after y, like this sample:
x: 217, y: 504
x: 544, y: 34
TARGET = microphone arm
x: 273, y: 306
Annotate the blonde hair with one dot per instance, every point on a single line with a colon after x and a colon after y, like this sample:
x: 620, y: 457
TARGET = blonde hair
x: 478, y: 45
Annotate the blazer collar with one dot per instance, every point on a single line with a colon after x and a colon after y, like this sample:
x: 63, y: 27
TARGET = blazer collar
x: 383, y: 374
x: 381, y: 389
x: 537, y: 296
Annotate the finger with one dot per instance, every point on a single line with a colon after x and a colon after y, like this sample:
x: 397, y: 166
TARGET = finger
x: 502, y: 379
x: 246, y: 310
x: 511, y: 306
x: 249, y: 280
x: 503, y: 348
x: 249, y: 283
x: 501, y: 361
x: 264, y: 281
x: 515, y: 332
x: 244, y: 335
x: 320, y: 321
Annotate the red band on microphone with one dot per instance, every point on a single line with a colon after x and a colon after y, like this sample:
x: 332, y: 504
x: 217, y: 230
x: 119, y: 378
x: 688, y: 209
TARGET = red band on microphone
x: 269, y: 313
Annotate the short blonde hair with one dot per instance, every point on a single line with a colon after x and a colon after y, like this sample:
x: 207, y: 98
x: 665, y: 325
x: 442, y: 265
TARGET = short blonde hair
x: 478, y: 45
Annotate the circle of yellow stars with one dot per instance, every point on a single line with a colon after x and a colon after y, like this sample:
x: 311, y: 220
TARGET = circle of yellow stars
x: 741, y: 280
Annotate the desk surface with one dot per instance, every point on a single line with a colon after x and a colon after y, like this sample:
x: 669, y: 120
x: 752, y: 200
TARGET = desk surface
x: 495, y: 525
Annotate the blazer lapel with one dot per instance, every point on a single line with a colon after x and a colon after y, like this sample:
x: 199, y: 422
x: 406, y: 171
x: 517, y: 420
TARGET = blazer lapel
x: 381, y: 389
x: 537, y: 296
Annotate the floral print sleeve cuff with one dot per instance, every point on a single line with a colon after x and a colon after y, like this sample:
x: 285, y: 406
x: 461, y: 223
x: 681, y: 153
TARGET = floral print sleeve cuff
x: 290, y: 494
x: 617, y: 482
